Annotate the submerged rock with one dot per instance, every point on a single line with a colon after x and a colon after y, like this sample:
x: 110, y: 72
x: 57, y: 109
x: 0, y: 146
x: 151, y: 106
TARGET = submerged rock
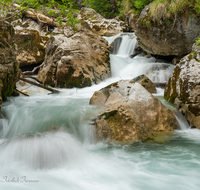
x: 9, y: 70
x: 183, y: 87
x: 174, y: 36
x: 130, y: 113
x: 100, y: 25
x: 75, y: 58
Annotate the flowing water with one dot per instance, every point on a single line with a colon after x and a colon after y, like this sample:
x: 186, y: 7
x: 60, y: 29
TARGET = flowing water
x: 47, y: 142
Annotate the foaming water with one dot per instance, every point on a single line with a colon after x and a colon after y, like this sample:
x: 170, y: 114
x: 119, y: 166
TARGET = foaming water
x: 50, y: 139
x: 127, y: 68
x: 183, y: 124
x: 42, y: 150
x: 128, y: 45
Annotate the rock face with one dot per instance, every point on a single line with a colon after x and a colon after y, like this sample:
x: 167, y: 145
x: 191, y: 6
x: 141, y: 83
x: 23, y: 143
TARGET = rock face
x: 100, y: 25
x: 75, y: 58
x: 130, y: 113
x: 167, y: 38
x: 9, y: 70
x: 183, y: 87
x: 30, y: 41
x: 131, y: 19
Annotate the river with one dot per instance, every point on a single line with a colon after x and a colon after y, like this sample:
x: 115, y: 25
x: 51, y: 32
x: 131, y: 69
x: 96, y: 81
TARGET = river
x: 47, y: 142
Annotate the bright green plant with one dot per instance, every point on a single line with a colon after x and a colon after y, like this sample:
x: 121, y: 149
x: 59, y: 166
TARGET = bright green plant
x: 105, y: 7
x: 165, y: 9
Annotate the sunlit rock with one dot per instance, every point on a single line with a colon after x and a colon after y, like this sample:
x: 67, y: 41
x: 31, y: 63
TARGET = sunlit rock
x: 31, y: 42
x: 75, y: 58
x: 130, y: 113
x: 100, y: 25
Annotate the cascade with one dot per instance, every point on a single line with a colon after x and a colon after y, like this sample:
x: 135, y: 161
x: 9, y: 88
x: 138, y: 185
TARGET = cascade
x: 48, y: 138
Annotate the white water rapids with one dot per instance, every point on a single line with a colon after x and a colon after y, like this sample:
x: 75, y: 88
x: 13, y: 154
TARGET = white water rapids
x: 46, y: 141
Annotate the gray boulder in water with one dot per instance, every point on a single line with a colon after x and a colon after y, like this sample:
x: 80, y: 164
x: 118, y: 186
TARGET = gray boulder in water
x: 130, y: 113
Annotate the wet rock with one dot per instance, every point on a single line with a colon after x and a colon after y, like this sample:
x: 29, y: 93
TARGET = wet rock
x: 146, y: 83
x: 75, y: 58
x: 174, y: 37
x: 130, y: 113
x: 183, y: 87
x: 100, y: 25
x: 9, y: 69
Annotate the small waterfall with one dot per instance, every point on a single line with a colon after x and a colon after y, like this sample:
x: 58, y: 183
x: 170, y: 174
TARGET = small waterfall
x: 111, y: 39
x: 183, y: 124
x: 126, y: 68
x: 127, y: 45
x: 49, y: 138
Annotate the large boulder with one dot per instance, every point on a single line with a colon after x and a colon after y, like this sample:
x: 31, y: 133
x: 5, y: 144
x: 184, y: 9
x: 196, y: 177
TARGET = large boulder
x: 100, y: 25
x: 9, y: 70
x: 183, y: 87
x: 31, y: 42
x: 130, y: 113
x: 174, y: 36
x: 75, y: 58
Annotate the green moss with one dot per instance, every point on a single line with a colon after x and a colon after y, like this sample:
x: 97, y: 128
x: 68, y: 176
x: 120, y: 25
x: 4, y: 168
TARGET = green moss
x: 168, y: 22
x: 110, y: 114
x: 148, y: 23
x: 7, y: 89
x: 15, y: 66
x: 172, y: 83
x: 190, y: 56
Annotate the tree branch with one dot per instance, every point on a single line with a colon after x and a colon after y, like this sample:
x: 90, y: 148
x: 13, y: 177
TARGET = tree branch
x: 32, y: 72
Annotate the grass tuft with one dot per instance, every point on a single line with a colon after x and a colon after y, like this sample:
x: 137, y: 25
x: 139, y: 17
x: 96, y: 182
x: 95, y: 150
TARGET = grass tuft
x: 165, y: 9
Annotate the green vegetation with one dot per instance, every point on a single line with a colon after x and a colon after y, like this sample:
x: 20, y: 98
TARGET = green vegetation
x: 137, y: 6
x: 111, y: 9
x: 165, y: 9
x: 198, y: 42
x: 105, y: 7
x: 58, y: 9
